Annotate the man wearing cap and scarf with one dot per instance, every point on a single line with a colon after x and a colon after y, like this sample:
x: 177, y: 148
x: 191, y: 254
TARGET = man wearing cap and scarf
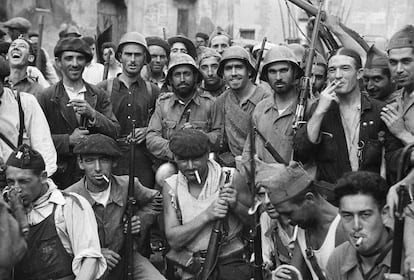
x: 208, y: 63
x: 377, y: 77
x: 273, y: 116
x: 294, y: 194
x: 108, y: 196
x: 74, y: 108
x: 185, y: 107
x: 195, y: 198
x: 237, y: 103
x: 155, y: 71
x: 133, y: 99
x: 22, y: 121
x: 181, y: 44
x: 201, y: 40
x: 63, y: 241
x: 399, y: 116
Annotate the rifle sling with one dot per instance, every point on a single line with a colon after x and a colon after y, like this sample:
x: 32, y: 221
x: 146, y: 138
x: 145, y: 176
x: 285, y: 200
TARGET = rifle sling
x: 312, y: 259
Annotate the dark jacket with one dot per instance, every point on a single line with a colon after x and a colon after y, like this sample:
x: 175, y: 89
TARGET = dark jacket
x: 62, y: 122
x: 331, y: 154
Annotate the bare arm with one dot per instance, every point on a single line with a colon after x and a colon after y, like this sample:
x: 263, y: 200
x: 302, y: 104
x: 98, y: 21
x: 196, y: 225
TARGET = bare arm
x: 88, y: 269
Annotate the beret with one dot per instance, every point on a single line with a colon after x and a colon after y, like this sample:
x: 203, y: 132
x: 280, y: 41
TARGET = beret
x: 187, y: 43
x: 189, y: 143
x: 403, y: 38
x: 208, y: 52
x: 26, y: 158
x: 376, y: 59
x: 98, y: 144
x: 158, y: 41
x: 19, y: 23
x: 202, y: 35
x: 74, y: 45
x: 4, y: 69
x: 282, y: 182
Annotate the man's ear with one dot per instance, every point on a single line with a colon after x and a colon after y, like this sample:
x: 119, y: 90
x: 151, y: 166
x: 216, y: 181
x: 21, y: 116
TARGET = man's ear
x: 386, y: 217
x: 31, y: 58
x: 360, y: 73
x: 310, y: 196
x: 43, y: 176
x: 80, y: 163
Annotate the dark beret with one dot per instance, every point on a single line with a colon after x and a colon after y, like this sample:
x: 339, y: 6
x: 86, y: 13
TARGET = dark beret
x: 191, y: 49
x: 158, y: 41
x: 189, y: 143
x: 26, y: 158
x: 98, y: 144
x: 202, y: 35
x: 4, y: 69
x: 74, y: 45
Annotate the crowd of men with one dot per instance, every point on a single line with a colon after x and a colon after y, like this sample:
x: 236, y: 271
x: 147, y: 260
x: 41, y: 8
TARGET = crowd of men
x: 171, y: 144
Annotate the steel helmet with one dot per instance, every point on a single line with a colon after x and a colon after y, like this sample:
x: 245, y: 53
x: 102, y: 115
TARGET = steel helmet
x: 278, y: 54
x: 235, y: 52
x: 177, y: 59
x: 133, y: 37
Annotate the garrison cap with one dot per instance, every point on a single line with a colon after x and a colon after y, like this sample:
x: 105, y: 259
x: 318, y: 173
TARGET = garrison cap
x: 376, y: 59
x: 4, y: 69
x: 282, y: 182
x: 202, y: 35
x: 97, y: 144
x: 403, y: 38
x: 18, y: 23
x: 189, y: 143
x: 26, y: 158
x: 158, y: 41
x: 191, y: 49
x: 74, y: 45
x: 208, y: 52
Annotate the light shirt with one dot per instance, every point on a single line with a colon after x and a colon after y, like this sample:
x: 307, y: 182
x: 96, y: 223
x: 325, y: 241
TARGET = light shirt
x: 75, y: 224
x: 93, y: 73
x: 101, y: 197
x: 351, y: 130
x: 75, y: 94
x: 37, y: 133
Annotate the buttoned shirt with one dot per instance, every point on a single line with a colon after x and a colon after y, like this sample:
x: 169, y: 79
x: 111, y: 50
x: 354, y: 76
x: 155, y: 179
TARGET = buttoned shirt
x: 170, y: 115
x: 343, y: 265
x: 75, y: 224
x: 37, y: 131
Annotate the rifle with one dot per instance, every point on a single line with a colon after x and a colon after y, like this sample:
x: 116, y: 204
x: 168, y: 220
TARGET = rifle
x: 397, y: 245
x: 214, y: 243
x: 106, y: 65
x: 40, y: 40
x: 259, y: 60
x: 130, y: 208
x: 270, y: 148
x: 306, y: 79
x: 164, y: 34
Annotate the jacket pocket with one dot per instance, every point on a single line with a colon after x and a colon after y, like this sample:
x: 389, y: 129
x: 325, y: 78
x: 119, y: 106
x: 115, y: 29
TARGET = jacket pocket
x: 168, y: 128
x: 372, y: 153
x: 328, y: 149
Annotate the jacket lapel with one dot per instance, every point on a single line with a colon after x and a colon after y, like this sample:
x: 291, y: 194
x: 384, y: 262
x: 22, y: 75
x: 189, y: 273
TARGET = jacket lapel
x: 61, y: 99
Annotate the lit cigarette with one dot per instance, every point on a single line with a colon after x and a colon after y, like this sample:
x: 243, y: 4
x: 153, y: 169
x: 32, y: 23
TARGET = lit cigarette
x: 105, y: 178
x: 197, y: 177
x: 359, y: 241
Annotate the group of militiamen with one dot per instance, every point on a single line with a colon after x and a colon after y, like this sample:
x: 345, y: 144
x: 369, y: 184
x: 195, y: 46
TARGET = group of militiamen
x: 276, y: 161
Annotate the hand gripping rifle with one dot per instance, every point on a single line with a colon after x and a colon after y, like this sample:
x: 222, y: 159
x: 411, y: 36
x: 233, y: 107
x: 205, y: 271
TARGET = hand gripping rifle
x: 306, y: 79
x: 214, y: 243
x: 130, y: 209
x: 259, y: 60
x: 397, y: 246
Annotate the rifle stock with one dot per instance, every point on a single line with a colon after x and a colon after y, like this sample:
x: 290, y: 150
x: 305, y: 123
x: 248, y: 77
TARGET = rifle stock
x: 213, y: 244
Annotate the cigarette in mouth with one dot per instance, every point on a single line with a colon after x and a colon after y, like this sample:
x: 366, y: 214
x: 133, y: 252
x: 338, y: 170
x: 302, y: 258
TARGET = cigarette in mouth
x: 197, y: 177
x: 359, y: 242
x: 105, y: 178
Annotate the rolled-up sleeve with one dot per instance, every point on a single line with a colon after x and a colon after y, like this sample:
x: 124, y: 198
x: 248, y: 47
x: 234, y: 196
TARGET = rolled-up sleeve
x: 78, y: 231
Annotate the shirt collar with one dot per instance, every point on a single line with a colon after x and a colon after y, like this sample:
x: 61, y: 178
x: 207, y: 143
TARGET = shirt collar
x: 52, y: 195
x: 195, y: 99
x: 115, y: 194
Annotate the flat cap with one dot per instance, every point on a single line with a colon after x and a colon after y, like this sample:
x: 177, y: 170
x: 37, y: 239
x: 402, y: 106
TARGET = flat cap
x: 26, y: 158
x: 158, y: 41
x: 4, y: 69
x: 376, y: 59
x: 282, y: 182
x: 74, y: 45
x: 208, y: 52
x: 191, y: 49
x: 18, y: 23
x: 97, y: 144
x: 403, y: 38
x: 189, y: 143
x: 202, y: 35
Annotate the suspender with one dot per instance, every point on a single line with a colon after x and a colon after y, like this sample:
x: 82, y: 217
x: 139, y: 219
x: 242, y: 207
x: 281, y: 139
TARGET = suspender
x: 22, y: 127
x: 312, y: 259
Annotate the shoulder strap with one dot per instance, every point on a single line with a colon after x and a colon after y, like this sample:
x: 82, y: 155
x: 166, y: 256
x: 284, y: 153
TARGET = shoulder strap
x: 22, y: 127
x: 312, y: 259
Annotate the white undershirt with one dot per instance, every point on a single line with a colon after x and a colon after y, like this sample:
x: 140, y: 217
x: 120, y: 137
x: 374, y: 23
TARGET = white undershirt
x: 101, y: 197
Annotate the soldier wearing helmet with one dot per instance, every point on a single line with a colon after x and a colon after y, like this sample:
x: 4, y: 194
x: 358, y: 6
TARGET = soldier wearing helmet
x: 273, y: 116
x: 184, y: 107
x: 238, y: 102
x: 133, y: 99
